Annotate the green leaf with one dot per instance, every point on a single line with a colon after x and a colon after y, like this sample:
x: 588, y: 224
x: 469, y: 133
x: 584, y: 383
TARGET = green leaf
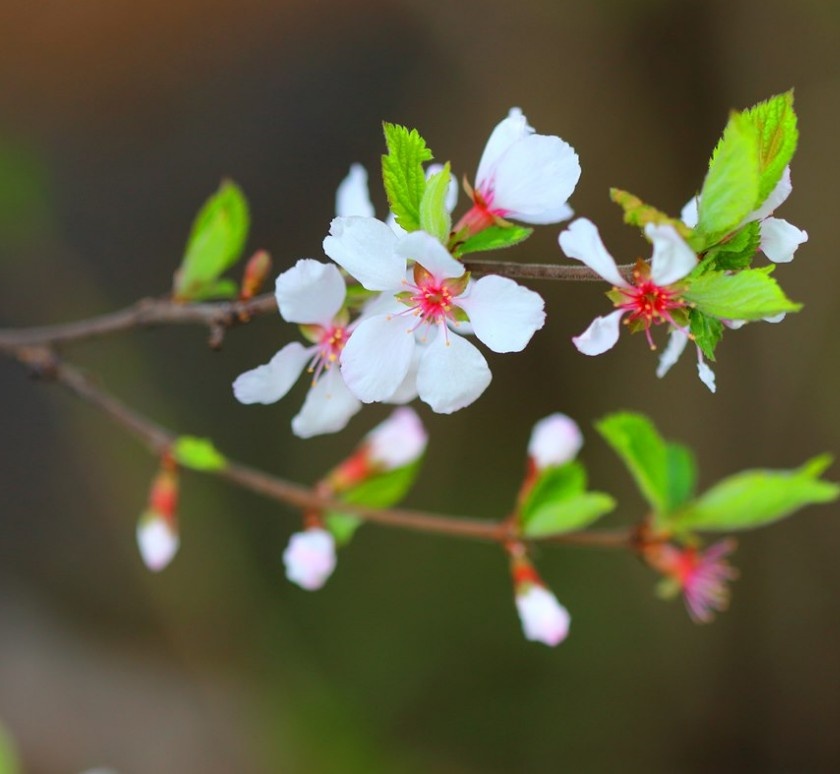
x: 567, y: 515
x: 495, y: 238
x: 198, y: 454
x: 735, y: 253
x: 434, y: 217
x: 380, y: 491
x: 639, y: 214
x: 775, y: 123
x: 9, y: 761
x: 707, y: 332
x: 682, y: 474
x: 555, y: 483
x: 731, y: 189
x: 403, y: 174
x: 754, y: 498
x: 635, y: 439
x: 748, y: 295
x: 223, y: 288
x: 216, y: 241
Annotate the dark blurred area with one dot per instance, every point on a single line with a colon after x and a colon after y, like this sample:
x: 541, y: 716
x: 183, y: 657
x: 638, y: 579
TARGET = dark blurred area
x: 117, y: 120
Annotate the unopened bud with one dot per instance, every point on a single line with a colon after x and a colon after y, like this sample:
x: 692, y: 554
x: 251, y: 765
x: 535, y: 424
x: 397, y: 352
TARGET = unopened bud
x: 555, y: 440
x: 310, y: 558
x: 157, y: 528
x: 257, y: 269
x: 543, y: 618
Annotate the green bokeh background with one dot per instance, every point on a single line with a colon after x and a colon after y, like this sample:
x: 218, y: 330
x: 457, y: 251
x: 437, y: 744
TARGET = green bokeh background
x: 116, y: 121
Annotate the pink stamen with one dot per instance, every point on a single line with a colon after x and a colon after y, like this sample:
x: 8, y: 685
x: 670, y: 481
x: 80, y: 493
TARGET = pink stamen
x: 331, y: 341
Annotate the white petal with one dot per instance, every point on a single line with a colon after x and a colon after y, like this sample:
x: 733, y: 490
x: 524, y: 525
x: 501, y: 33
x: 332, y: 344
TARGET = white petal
x: 671, y: 353
x: 690, y: 213
x: 352, y: 196
x: 534, y: 179
x: 424, y: 249
x: 582, y: 242
x: 707, y: 376
x: 543, y: 618
x: 407, y: 391
x: 779, y: 239
x: 398, y: 441
x: 365, y: 248
x: 157, y: 540
x: 310, y: 292
x: 270, y: 382
x: 377, y: 357
x: 776, y: 318
x: 601, y: 335
x: 735, y: 325
x: 555, y: 440
x: 391, y: 222
x: 503, y: 314
x: 507, y: 132
x: 328, y: 407
x: 672, y: 258
x: 310, y: 558
x: 777, y: 197
x: 451, y: 375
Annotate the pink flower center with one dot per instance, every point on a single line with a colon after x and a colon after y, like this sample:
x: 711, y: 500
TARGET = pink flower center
x: 431, y: 299
x: 649, y: 304
x: 331, y: 341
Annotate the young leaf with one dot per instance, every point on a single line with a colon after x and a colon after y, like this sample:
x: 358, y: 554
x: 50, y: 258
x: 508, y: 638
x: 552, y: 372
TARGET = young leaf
x: 754, y: 498
x: 775, y: 122
x: 434, y: 217
x: 731, y: 189
x: 216, y: 242
x: 495, y: 238
x: 403, y: 174
x: 9, y: 761
x: 567, y: 515
x: 707, y: 332
x: 736, y: 253
x: 682, y: 474
x: 634, y: 438
x: 639, y: 214
x: 555, y: 484
x: 751, y: 294
x: 198, y: 454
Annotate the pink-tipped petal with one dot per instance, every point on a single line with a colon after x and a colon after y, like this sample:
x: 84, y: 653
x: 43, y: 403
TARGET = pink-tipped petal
x: 424, y: 249
x: 779, y: 239
x: 352, y: 196
x: 555, y: 440
x: 270, y: 382
x: 310, y: 292
x: 582, y: 242
x: 310, y: 558
x: 398, y: 441
x: 328, y: 407
x: 364, y: 247
x: 672, y: 258
x: 452, y: 374
x: 377, y: 357
x: 543, y: 618
x: 503, y: 314
x: 601, y: 335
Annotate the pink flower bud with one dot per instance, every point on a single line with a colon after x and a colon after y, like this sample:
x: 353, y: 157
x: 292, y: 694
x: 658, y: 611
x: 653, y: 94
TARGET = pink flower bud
x: 555, y: 440
x: 157, y: 528
x: 398, y: 441
x: 543, y: 618
x: 256, y: 271
x: 310, y: 558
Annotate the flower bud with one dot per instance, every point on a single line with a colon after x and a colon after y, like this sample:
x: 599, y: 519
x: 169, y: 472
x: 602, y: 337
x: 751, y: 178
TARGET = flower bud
x: 310, y: 558
x: 555, y: 440
x: 543, y: 618
x: 257, y: 269
x: 157, y: 528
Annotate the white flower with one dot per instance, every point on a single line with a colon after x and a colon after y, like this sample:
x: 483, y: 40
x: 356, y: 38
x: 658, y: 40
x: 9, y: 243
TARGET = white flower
x: 398, y: 441
x: 779, y: 239
x: 311, y: 294
x: 522, y: 175
x: 157, y: 540
x: 555, y: 440
x: 310, y: 558
x: 651, y: 299
x: 451, y: 372
x: 543, y: 618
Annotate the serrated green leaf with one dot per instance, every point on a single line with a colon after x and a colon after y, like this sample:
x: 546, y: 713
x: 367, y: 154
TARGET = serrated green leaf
x: 635, y: 439
x: 198, y: 454
x: 216, y: 241
x: 434, y: 216
x: 775, y: 123
x: 494, y: 238
x: 555, y: 484
x: 731, y: 189
x: 403, y: 174
x: 707, y: 332
x: 751, y: 294
x: 567, y: 515
x: 754, y: 498
x: 736, y: 253
x: 381, y: 491
x: 682, y: 474
x: 639, y: 214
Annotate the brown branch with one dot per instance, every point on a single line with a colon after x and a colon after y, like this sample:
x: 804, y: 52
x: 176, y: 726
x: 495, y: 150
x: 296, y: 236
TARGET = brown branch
x: 43, y: 363
x: 540, y: 271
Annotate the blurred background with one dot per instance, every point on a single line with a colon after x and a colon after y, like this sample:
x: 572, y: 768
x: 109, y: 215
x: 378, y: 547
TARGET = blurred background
x: 117, y: 120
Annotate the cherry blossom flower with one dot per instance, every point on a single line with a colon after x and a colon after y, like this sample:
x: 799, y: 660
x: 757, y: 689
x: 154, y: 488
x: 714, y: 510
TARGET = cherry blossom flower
x: 157, y: 528
x: 310, y: 558
x: 779, y: 239
x: 523, y: 176
x: 701, y: 576
x: 555, y: 440
x: 451, y: 372
x: 310, y: 294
